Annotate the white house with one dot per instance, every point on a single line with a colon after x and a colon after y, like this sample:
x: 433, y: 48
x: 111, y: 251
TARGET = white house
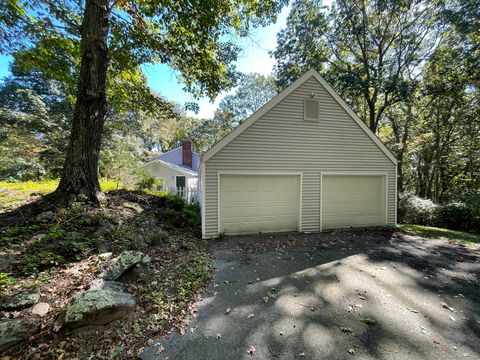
x: 303, y: 162
x: 178, y: 170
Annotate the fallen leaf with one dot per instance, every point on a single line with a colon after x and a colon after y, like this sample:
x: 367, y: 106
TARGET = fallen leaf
x: 445, y: 306
x: 436, y: 342
x: 369, y: 321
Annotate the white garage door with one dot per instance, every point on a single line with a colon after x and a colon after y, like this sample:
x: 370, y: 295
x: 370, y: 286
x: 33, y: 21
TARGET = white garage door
x: 353, y: 201
x: 251, y: 204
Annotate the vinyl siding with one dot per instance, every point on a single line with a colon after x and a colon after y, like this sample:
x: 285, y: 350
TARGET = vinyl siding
x: 282, y: 141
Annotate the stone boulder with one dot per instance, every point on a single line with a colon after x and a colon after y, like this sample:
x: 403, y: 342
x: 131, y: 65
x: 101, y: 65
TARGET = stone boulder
x: 45, y: 217
x: 99, y: 306
x: 21, y: 300
x: 125, y: 261
x: 41, y: 309
x: 13, y: 331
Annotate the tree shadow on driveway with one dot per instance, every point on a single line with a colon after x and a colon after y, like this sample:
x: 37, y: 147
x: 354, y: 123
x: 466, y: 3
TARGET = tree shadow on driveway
x: 371, y: 294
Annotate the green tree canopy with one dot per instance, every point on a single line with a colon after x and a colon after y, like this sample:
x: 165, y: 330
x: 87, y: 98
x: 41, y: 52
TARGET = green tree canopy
x: 117, y: 37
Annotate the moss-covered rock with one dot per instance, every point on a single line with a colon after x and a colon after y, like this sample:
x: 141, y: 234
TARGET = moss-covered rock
x: 99, y: 306
x: 123, y: 262
x: 21, y: 300
x: 45, y: 217
x: 13, y: 331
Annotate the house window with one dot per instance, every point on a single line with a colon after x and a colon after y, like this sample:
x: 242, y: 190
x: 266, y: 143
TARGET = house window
x: 311, y: 109
x: 160, y: 183
x: 180, y: 182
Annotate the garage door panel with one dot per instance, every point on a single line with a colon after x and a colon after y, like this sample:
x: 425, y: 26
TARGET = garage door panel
x: 353, y: 201
x: 231, y: 227
x: 231, y: 212
x: 258, y: 203
x: 354, y: 207
x: 250, y: 211
x: 249, y: 182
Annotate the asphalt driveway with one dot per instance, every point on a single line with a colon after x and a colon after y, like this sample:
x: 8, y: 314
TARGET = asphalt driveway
x: 339, y: 295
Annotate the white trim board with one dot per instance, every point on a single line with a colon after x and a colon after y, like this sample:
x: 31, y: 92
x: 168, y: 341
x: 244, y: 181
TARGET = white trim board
x: 202, y: 200
x: 282, y: 95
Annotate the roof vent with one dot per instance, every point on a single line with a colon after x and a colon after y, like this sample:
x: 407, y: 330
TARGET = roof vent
x: 311, y: 109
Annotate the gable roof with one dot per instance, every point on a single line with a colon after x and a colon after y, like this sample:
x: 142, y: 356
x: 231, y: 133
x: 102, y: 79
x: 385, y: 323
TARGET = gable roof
x: 180, y: 168
x: 173, y: 160
x: 175, y: 157
x: 282, y: 95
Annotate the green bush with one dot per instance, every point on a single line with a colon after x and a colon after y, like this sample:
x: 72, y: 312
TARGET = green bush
x: 461, y: 215
x: 149, y: 183
x: 454, y: 216
x: 415, y: 210
x: 57, y: 248
x: 6, y: 281
x: 180, y: 215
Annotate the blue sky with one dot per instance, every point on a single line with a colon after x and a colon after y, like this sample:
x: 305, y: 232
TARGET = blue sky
x: 254, y: 58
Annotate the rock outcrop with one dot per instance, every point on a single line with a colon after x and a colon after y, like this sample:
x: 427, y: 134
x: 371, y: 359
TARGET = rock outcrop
x: 99, y: 306
x: 21, y: 300
x: 124, y: 262
x: 13, y: 331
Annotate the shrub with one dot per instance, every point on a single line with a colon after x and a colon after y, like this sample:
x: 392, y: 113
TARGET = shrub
x: 415, y: 210
x: 6, y: 281
x: 179, y: 214
x: 149, y: 183
x: 146, y: 183
x: 455, y: 215
x: 463, y: 216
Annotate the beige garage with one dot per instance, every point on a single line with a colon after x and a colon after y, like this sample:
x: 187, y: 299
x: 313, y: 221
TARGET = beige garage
x: 331, y: 170
x: 353, y: 201
x: 251, y: 204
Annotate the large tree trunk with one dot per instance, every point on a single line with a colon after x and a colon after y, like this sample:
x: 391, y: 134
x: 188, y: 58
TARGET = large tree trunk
x: 80, y: 172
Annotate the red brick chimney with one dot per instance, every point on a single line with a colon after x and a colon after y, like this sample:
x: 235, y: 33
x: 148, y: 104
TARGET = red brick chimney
x: 187, y: 153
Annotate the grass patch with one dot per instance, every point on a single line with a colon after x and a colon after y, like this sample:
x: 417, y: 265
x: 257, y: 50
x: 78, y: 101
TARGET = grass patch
x: 15, y: 193
x: 434, y: 232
